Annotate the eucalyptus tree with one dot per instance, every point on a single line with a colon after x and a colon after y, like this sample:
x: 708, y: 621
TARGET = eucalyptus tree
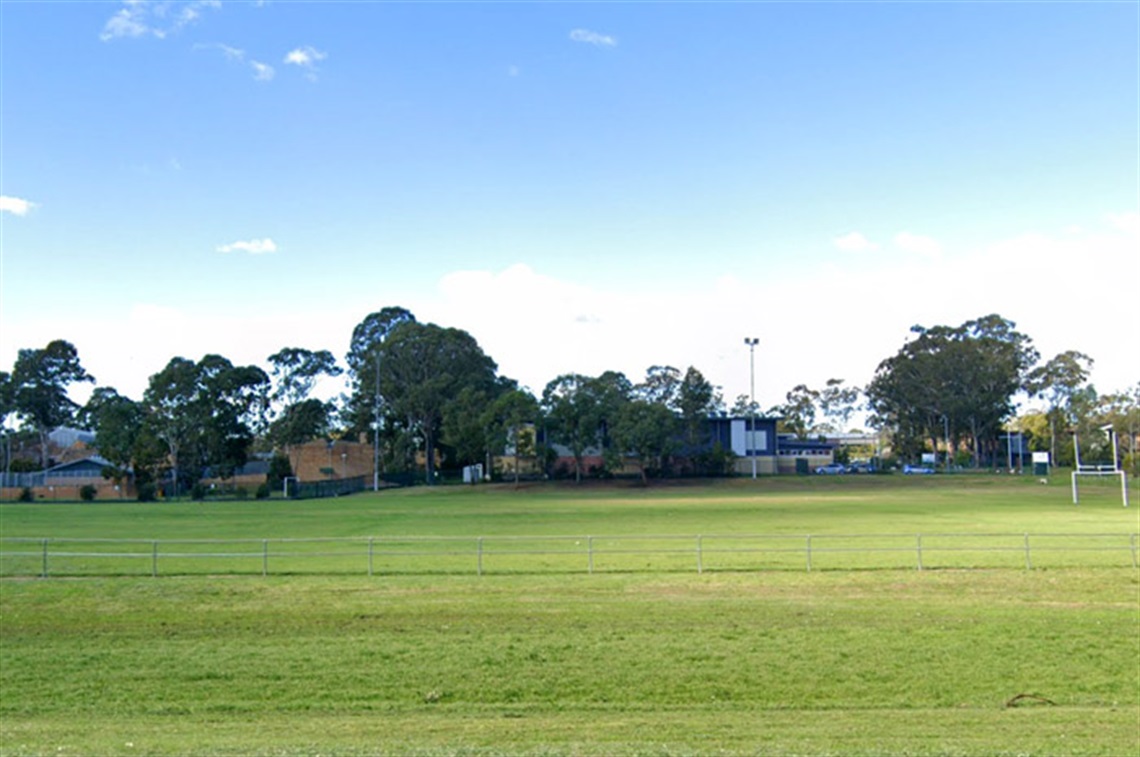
x: 1058, y: 382
x: 202, y: 413
x: 39, y: 388
x: 647, y: 430
x: 510, y: 421
x: 299, y: 418
x: 117, y: 422
x: 566, y: 406
x: 364, y: 408
x: 422, y: 367
x: 952, y: 380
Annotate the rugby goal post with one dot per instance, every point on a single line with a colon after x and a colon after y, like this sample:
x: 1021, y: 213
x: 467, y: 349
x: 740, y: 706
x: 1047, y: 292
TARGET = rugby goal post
x: 1098, y: 470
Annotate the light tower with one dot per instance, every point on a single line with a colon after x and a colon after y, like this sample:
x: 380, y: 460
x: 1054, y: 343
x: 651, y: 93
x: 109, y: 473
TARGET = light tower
x: 752, y: 342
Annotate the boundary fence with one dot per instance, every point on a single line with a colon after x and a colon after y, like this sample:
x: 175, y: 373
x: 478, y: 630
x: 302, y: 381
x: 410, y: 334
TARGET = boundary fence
x: 411, y: 555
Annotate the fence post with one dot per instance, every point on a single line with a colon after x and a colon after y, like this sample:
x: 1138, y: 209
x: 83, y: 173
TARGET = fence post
x: 370, y: 540
x: 700, y: 567
x: 1132, y: 539
x: 808, y: 550
x: 479, y: 570
x: 265, y: 557
x: 44, y: 570
x: 1028, y: 562
x: 590, y: 552
x: 918, y: 548
x: 154, y: 559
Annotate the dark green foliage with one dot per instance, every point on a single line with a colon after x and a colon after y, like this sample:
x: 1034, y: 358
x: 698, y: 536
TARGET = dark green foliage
x: 279, y: 469
x: 26, y: 495
x: 262, y: 491
x: 199, y: 491
x: 147, y: 492
x: 959, y: 380
x: 87, y: 493
x: 38, y: 388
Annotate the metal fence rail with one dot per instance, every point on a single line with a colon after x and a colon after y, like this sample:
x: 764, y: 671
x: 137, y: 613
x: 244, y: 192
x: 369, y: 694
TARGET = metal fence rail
x: 389, y: 555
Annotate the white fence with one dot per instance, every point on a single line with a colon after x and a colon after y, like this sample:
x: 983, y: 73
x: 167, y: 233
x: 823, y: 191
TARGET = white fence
x: 376, y: 555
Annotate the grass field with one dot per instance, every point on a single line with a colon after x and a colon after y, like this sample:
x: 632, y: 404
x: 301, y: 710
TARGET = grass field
x: 873, y: 662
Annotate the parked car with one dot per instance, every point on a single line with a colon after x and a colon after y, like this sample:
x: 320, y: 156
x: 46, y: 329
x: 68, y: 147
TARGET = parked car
x: 912, y: 470
x: 860, y: 467
x: 831, y: 469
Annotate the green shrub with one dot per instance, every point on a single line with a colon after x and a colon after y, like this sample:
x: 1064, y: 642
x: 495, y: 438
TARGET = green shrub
x: 148, y: 492
x: 199, y: 491
x: 27, y: 495
x: 241, y: 493
x: 87, y: 492
x: 262, y: 491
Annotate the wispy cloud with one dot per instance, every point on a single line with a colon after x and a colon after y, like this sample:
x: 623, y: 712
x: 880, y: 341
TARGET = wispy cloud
x: 593, y: 38
x: 140, y: 18
x: 261, y: 71
x: 307, y: 58
x: 917, y: 244
x: 15, y: 205
x: 252, y: 246
x: 854, y: 242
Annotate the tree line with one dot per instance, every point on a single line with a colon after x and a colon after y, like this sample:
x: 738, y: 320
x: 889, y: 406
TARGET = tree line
x: 427, y: 396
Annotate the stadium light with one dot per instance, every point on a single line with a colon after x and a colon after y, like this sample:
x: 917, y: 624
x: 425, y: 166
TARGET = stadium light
x: 752, y: 342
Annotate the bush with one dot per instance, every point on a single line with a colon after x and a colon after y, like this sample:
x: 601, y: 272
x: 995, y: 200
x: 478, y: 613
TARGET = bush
x: 148, y: 492
x: 87, y: 492
x: 262, y: 492
x: 241, y: 493
x: 199, y: 491
x: 26, y: 495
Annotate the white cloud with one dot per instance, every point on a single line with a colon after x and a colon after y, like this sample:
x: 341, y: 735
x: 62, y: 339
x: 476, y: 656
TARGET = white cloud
x: 139, y: 18
x: 15, y: 206
x: 919, y: 245
x: 252, y: 246
x: 1128, y: 222
x: 306, y: 57
x: 593, y: 38
x: 262, y: 71
x: 854, y: 242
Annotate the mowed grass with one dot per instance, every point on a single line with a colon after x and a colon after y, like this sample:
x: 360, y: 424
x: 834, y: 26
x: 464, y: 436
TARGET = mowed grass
x: 880, y: 662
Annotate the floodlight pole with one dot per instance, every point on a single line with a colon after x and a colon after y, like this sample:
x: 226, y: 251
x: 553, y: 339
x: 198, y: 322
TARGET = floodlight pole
x: 376, y: 431
x: 752, y: 342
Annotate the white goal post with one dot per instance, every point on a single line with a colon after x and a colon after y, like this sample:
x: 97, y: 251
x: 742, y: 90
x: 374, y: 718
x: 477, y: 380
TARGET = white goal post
x: 1099, y: 470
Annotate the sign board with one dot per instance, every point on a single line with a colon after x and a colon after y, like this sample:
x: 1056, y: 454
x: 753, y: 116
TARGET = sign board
x: 929, y: 458
x: 1041, y: 457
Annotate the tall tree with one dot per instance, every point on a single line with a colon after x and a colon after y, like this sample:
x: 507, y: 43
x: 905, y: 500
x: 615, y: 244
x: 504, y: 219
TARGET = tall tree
x: 297, y: 417
x: 607, y: 394
x: 202, y: 412
x: 697, y: 399
x: 40, y: 380
x: 117, y: 422
x: 838, y: 403
x: 1058, y: 381
x: 798, y: 410
x: 567, y: 407
x: 648, y: 430
x: 296, y: 371
x: 957, y: 379
x: 422, y: 367
x: 662, y: 385
x: 511, y: 421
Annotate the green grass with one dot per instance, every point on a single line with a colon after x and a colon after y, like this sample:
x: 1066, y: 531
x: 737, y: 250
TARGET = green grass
x: 879, y: 662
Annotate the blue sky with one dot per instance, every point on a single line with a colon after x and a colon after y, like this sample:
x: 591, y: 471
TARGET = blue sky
x: 582, y: 186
